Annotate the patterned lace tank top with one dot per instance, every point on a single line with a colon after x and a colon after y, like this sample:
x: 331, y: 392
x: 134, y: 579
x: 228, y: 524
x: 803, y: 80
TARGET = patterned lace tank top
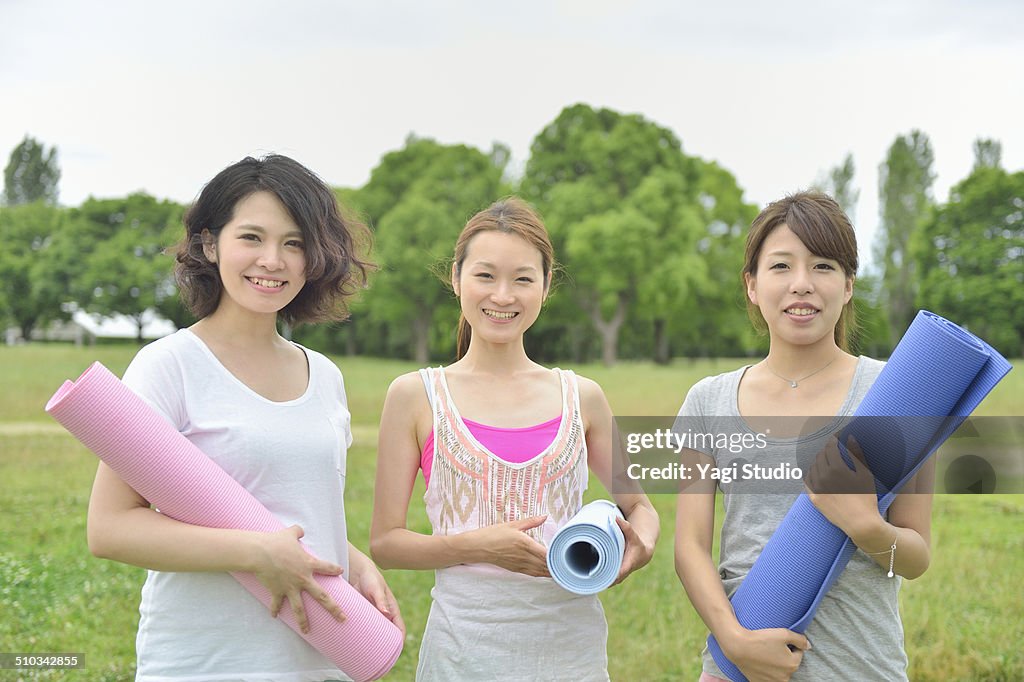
x: 471, y: 487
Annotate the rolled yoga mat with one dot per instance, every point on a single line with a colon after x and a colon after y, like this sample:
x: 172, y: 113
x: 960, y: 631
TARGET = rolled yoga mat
x: 585, y: 555
x: 937, y: 375
x: 183, y: 483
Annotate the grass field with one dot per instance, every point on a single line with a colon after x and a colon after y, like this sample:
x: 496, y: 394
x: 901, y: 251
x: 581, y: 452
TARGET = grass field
x: 964, y: 619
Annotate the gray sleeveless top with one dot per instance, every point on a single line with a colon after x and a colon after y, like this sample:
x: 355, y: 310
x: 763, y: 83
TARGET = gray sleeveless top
x: 857, y: 633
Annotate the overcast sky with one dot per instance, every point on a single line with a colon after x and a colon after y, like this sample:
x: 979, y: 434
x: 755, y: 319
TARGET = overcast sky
x: 159, y: 96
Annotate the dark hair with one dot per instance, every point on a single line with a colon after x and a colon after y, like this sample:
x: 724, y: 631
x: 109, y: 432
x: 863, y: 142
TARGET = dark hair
x: 334, y: 269
x: 824, y: 229
x: 511, y: 215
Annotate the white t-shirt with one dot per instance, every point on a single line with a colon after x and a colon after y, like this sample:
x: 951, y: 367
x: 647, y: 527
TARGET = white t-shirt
x: 291, y: 457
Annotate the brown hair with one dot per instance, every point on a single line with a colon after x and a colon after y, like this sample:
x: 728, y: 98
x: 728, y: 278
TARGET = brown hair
x: 510, y: 215
x: 824, y: 229
x: 334, y: 269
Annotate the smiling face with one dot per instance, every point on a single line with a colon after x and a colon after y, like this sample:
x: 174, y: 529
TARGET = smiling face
x: 259, y: 255
x: 800, y: 295
x: 501, y: 285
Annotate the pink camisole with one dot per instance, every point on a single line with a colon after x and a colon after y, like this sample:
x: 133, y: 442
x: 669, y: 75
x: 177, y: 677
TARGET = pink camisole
x: 512, y: 445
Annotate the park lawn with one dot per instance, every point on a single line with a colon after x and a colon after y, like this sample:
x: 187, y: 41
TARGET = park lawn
x: 962, y: 619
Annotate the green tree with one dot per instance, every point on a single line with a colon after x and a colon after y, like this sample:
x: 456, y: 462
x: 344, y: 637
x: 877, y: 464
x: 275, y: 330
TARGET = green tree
x: 55, y: 277
x: 610, y: 251
x: 714, y: 322
x: 988, y: 153
x: 838, y: 183
x: 674, y: 270
x: 127, y: 271
x: 871, y: 335
x: 970, y: 257
x: 635, y: 219
x: 904, y: 184
x: 596, y: 174
x: 31, y: 174
x: 27, y: 232
x: 417, y: 200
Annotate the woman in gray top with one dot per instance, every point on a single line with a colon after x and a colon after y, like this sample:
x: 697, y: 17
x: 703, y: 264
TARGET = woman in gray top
x: 799, y: 271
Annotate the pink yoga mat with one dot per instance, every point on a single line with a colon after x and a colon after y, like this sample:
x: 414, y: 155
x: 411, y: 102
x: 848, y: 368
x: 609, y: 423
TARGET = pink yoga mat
x: 183, y: 483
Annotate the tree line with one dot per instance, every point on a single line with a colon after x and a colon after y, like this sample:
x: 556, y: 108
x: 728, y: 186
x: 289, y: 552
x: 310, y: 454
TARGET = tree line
x: 649, y: 241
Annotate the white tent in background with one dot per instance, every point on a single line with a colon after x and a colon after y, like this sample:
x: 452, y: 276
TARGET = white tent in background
x: 84, y: 327
x: 122, y: 326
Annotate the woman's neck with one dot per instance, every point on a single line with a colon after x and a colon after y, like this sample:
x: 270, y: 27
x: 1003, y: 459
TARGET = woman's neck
x: 790, y: 360
x: 495, y: 358
x: 236, y: 329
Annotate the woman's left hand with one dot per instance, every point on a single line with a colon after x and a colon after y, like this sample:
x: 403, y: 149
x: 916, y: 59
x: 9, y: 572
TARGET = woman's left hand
x: 367, y: 579
x: 845, y: 496
x: 637, y: 553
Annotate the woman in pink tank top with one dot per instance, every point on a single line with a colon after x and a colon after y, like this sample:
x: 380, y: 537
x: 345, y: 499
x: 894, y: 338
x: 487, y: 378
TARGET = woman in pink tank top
x: 504, y: 445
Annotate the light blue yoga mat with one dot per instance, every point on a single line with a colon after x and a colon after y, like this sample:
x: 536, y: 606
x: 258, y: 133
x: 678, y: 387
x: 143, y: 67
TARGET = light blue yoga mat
x: 937, y: 375
x: 585, y: 555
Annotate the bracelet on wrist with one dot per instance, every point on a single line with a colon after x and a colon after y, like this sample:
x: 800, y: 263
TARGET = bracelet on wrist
x: 891, y: 552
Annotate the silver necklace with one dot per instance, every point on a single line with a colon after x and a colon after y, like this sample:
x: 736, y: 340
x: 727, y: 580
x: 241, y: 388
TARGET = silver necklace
x: 793, y: 383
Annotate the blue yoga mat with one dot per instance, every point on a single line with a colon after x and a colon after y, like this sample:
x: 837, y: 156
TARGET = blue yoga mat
x: 585, y: 555
x: 937, y: 375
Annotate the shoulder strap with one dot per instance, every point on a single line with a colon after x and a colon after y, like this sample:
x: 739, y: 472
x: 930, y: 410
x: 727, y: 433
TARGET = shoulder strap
x: 574, y: 388
x: 428, y: 385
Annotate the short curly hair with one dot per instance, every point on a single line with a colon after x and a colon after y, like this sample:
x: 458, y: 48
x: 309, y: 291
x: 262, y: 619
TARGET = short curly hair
x: 334, y: 242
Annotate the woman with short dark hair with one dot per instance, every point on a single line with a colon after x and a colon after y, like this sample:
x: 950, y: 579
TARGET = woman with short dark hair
x: 265, y: 240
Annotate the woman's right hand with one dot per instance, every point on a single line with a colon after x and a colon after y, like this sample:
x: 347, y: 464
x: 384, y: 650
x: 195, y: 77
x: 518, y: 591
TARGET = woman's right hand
x: 507, y: 545
x: 286, y: 570
x: 769, y: 655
